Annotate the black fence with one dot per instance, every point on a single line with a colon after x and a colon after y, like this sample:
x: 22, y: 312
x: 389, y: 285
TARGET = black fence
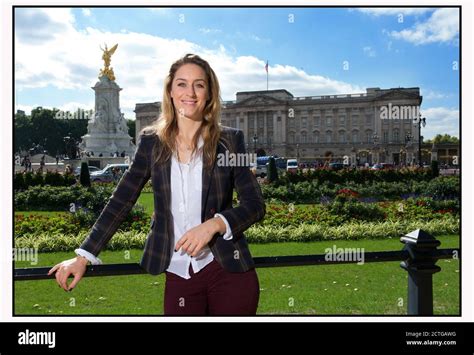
x: 418, y: 257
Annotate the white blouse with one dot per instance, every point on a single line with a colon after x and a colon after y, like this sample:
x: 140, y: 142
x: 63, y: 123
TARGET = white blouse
x: 186, y: 196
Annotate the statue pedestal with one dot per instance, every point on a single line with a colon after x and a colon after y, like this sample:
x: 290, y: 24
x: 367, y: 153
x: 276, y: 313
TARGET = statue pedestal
x: 107, y: 131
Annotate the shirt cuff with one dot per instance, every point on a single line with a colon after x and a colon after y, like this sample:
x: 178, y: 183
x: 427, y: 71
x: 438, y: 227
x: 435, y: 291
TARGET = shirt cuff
x: 228, y: 232
x: 92, y: 258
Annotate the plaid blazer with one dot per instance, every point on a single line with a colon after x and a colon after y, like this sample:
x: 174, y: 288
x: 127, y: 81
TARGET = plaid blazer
x: 217, y: 188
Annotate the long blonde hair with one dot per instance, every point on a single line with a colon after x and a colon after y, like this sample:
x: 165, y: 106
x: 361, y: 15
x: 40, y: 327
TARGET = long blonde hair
x: 167, y: 125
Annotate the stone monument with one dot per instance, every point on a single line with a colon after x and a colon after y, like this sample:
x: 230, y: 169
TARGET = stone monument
x: 107, y: 131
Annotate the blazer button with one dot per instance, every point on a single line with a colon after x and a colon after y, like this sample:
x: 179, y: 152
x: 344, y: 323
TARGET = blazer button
x: 212, y: 211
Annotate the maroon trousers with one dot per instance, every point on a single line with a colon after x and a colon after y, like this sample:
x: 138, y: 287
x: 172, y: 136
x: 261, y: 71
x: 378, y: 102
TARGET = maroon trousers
x: 212, y: 291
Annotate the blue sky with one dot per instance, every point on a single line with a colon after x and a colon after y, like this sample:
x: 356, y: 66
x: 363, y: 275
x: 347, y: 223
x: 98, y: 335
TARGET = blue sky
x: 311, y: 51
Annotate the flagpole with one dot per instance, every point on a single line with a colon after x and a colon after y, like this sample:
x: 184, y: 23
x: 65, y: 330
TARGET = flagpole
x: 266, y: 68
x: 267, y: 80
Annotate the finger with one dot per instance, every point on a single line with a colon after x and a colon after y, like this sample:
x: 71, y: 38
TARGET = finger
x: 59, y: 278
x: 53, y: 269
x: 196, y: 250
x: 186, y: 246
x: 77, y: 278
x: 56, y: 275
x: 180, y: 242
x: 63, y: 279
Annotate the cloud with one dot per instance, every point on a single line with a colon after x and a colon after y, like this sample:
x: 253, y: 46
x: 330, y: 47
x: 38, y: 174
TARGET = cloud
x: 433, y: 95
x: 369, y: 51
x: 71, y: 59
x: 161, y: 11
x: 37, y: 27
x: 440, y: 120
x: 442, y: 26
x: 209, y: 30
x: 393, y: 11
x: 72, y: 106
x: 86, y: 12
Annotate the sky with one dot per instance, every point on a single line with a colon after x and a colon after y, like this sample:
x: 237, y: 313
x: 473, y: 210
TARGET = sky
x: 310, y: 51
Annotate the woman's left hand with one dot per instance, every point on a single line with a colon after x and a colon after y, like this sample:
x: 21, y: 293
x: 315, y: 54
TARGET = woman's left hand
x: 195, y: 239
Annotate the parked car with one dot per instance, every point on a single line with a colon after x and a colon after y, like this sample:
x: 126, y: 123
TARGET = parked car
x: 291, y: 165
x: 336, y: 166
x: 381, y: 166
x: 107, y: 174
x: 77, y: 171
x: 258, y: 170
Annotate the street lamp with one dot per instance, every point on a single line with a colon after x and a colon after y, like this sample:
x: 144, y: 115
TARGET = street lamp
x: 375, y: 139
x: 408, y: 138
x: 255, y: 139
x: 421, y: 121
x: 297, y: 152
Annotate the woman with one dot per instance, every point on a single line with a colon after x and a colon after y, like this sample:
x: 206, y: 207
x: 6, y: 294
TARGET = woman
x: 196, y: 235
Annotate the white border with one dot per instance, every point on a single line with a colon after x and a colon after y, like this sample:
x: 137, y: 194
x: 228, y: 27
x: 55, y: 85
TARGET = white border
x: 6, y: 179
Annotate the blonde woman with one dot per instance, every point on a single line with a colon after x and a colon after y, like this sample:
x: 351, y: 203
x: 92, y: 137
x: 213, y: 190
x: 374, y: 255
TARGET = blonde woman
x: 197, y: 236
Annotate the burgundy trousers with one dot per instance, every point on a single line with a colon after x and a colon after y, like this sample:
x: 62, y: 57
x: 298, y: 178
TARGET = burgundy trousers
x: 212, y: 291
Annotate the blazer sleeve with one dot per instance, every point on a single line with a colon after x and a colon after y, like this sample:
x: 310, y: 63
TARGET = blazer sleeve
x: 252, y: 205
x: 122, y: 200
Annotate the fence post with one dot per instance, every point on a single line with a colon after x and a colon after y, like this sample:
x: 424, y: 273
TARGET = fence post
x: 421, y: 265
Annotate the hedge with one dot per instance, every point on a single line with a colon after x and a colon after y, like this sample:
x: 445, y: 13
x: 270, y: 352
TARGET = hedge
x: 259, y: 234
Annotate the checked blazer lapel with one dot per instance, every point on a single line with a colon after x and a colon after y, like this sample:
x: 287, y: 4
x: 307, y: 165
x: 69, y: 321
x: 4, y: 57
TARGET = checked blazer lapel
x: 207, y: 175
x: 164, y: 174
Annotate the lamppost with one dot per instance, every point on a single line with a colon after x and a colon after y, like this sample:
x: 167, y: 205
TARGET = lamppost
x: 375, y: 138
x: 421, y: 121
x: 408, y: 138
x: 255, y: 140
x: 298, y: 152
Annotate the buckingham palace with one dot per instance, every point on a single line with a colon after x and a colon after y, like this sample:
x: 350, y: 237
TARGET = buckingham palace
x: 378, y: 126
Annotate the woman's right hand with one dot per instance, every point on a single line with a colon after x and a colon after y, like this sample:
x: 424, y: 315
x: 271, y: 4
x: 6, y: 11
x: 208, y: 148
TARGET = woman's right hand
x: 75, y: 267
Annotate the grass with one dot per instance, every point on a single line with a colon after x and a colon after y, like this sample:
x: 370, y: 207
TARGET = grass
x: 369, y: 289
x: 146, y: 200
x: 40, y: 213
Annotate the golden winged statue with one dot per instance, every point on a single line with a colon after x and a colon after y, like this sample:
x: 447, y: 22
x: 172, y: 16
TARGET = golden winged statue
x: 106, y: 56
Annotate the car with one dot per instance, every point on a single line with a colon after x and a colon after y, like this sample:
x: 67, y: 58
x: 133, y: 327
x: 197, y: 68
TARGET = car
x: 336, y: 166
x: 107, y: 173
x: 381, y: 166
x: 280, y: 163
x: 292, y: 165
x: 77, y: 171
x: 258, y: 170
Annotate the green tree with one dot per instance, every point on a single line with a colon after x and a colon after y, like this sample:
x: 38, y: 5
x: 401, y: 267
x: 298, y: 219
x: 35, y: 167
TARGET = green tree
x: 435, y: 168
x: 23, y: 129
x: 131, y: 129
x: 272, y: 171
x: 44, y: 129
x: 443, y: 138
x: 85, y: 178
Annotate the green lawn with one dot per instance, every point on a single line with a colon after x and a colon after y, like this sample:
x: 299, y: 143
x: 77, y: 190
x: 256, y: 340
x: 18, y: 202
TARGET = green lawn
x: 146, y: 199
x: 369, y: 289
x: 39, y: 213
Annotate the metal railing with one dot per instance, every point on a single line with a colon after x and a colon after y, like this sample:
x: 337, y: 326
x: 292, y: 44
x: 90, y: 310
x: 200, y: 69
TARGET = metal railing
x: 418, y: 257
